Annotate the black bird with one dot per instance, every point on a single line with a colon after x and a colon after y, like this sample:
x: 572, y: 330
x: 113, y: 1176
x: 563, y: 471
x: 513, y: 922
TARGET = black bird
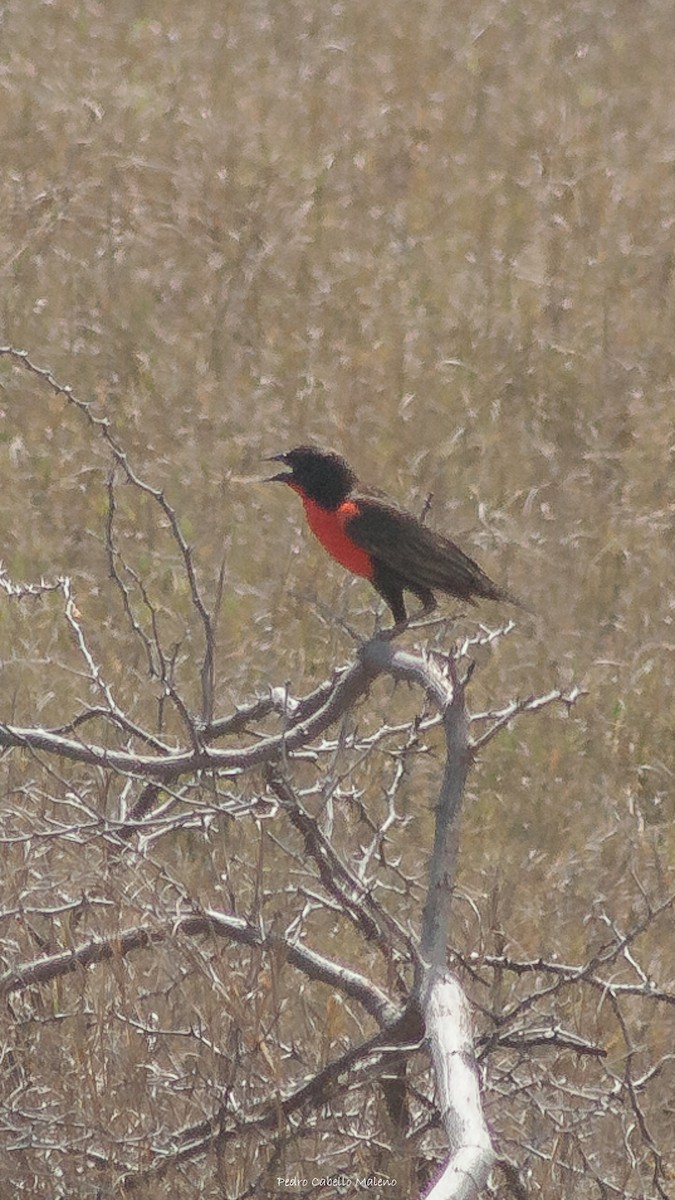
x: 373, y: 537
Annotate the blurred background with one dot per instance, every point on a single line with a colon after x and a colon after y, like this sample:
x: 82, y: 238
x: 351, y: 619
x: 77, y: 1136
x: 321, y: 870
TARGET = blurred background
x: 436, y: 237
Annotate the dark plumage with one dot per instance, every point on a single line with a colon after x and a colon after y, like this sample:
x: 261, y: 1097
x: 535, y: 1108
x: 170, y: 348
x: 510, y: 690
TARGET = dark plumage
x: 372, y: 536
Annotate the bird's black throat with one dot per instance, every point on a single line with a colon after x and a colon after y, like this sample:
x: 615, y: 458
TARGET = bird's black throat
x: 322, y: 476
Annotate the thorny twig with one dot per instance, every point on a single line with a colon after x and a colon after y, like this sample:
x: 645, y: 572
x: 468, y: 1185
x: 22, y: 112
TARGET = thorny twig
x: 103, y: 428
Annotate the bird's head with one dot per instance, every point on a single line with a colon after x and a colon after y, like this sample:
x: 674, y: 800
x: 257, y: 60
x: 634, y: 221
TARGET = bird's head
x: 320, y: 475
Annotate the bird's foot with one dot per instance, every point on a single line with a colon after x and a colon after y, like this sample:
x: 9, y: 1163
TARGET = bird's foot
x: 392, y: 631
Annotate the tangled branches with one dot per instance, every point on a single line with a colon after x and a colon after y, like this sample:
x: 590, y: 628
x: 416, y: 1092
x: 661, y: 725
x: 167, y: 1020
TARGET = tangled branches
x: 232, y: 941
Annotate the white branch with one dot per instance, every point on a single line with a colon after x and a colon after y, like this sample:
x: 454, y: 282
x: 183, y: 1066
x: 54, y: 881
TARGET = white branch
x: 435, y: 921
x: 446, y: 1010
x: 448, y: 1022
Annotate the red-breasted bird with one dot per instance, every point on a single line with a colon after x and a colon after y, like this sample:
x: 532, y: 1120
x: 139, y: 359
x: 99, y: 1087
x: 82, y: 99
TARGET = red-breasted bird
x: 371, y: 536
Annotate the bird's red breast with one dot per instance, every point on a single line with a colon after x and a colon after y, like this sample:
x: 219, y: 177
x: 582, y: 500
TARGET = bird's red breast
x: 328, y: 525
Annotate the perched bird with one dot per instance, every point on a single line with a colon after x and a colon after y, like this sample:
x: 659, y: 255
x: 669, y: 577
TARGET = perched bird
x: 371, y: 536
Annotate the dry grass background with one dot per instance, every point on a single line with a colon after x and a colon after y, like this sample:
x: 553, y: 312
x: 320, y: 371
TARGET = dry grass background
x: 438, y: 237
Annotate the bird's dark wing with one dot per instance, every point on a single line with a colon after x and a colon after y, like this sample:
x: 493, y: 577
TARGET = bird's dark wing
x: 417, y: 555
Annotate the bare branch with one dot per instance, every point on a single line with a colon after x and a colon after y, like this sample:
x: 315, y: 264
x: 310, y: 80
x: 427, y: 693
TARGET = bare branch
x: 435, y: 921
x: 446, y: 1010
x: 532, y: 704
x: 353, y: 898
x: 448, y: 1023
x: 314, y: 965
x: 102, y: 427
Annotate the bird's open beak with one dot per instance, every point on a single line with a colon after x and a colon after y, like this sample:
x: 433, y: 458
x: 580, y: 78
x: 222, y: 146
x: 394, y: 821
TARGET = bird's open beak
x: 283, y: 476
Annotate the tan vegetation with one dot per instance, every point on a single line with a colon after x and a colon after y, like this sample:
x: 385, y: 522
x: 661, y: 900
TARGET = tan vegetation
x: 438, y: 237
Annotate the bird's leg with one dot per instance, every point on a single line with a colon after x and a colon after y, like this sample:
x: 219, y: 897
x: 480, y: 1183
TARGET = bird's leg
x: 391, y: 592
x: 392, y: 631
x: 428, y: 601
